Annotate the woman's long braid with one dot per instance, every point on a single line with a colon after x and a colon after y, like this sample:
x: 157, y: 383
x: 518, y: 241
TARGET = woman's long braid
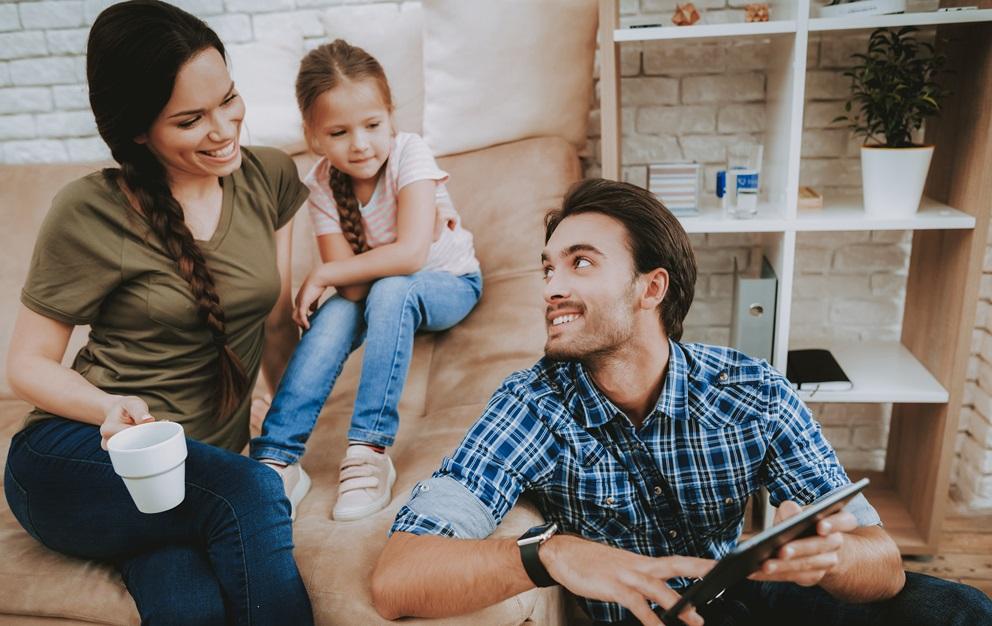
x: 348, y: 211
x: 150, y: 188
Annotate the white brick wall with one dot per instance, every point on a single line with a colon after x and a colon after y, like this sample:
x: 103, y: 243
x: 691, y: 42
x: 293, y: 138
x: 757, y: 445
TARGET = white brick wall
x: 680, y: 101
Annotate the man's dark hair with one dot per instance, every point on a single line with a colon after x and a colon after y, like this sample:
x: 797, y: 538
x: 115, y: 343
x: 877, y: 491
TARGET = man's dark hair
x: 655, y: 238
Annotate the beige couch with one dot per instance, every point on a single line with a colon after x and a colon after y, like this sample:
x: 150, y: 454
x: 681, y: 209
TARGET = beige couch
x: 502, y: 193
x: 476, y: 79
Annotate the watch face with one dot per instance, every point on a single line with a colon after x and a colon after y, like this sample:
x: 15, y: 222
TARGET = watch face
x: 537, y: 533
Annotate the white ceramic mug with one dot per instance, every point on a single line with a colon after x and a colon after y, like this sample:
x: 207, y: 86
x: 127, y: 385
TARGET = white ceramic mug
x: 151, y: 458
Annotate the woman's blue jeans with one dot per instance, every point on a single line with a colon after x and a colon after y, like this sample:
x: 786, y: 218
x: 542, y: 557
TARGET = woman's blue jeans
x: 224, y: 555
x: 396, y: 307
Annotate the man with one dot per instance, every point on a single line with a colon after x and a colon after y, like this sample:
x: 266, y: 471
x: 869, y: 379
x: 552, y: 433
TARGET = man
x: 638, y: 448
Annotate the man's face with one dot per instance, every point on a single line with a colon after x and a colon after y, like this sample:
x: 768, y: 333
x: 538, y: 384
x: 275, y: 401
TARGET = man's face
x: 590, y: 288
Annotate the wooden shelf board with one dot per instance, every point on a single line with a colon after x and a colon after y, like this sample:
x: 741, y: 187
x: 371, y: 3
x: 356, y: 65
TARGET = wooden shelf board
x: 923, y: 18
x: 881, y: 372
x: 894, y: 514
x: 705, y: 31
x: 846, y: 213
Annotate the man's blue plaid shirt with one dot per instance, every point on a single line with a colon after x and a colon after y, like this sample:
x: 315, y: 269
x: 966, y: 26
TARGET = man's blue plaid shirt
x: 724, y: 425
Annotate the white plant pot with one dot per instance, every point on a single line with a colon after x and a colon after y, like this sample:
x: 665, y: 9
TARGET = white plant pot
x: 893, y: 178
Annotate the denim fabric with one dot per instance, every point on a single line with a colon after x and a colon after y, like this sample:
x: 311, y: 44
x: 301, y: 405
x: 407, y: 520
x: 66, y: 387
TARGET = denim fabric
x: 396, y: 307
x: 224, y: 555
x: 924, y: 601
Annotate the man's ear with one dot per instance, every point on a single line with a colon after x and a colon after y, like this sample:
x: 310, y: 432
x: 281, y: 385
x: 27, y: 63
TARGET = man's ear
x: 655, y: 288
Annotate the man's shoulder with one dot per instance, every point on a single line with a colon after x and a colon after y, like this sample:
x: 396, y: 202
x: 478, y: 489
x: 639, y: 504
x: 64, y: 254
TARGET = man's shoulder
x: 720, y: 365
x: 542, y: 380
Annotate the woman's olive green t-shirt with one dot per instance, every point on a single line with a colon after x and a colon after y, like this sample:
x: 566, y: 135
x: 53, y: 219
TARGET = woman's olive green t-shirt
x: 95, y: 262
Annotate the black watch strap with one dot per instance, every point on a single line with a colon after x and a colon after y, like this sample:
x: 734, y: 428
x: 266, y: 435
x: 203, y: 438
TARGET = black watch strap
x: 535, y: 569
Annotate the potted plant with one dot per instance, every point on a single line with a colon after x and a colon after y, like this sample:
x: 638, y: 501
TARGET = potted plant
x: 894, y: 89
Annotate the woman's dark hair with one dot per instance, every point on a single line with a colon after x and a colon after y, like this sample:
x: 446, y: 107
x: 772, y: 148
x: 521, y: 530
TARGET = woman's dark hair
x: 322, y: 69
x: 133, y: 56
x: 655, y: 238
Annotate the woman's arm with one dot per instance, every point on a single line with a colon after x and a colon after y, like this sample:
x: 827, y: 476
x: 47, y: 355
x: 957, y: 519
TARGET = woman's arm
x: 37, y: 376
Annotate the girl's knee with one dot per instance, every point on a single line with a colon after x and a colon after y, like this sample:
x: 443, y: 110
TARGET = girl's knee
x: 391, y: 291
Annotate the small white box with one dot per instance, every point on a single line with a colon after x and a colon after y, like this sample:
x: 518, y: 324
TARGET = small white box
x: 864, y: 7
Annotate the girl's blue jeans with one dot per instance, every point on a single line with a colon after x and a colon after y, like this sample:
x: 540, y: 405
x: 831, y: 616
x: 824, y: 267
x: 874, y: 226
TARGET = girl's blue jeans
x: 395, y: 308
x: 223, y: 556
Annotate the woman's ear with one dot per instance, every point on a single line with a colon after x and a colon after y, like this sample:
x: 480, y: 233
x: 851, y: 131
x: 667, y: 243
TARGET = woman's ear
x: 141, y: 139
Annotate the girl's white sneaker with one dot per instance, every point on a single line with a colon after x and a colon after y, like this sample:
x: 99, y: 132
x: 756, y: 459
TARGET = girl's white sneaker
x: 294, y: 480
x: 365, y: 483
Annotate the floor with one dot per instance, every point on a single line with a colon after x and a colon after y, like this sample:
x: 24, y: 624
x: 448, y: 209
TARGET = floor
x: 965, y: 552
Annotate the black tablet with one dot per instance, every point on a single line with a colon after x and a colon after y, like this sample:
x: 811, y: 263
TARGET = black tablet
x: 747, y: 557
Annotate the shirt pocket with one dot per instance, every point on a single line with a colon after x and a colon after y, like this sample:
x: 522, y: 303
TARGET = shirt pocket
x: 608, y: 505
x: 714, y: 509
x: 171, y: 304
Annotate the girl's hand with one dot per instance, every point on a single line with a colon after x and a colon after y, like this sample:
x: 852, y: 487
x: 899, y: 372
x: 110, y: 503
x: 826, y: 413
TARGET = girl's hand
x: 307, y: 299
x: 125, y: 412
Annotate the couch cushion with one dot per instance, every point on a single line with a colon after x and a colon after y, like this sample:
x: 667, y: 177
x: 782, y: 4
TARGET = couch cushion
x: 483, y: 87
x: 265, y: 74
x: 392, y: 34
x: 48, y: 583
x: 336, y: 559
x: 502, y: 193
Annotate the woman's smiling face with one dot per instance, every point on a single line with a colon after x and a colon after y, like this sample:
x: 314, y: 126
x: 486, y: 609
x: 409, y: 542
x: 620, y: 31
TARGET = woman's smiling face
x: 196, y: 134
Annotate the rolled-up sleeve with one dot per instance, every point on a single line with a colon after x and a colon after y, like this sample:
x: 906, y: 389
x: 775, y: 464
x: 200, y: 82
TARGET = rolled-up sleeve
x: 505, y: 451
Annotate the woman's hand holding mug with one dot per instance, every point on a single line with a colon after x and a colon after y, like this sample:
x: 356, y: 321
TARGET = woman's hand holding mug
x: 126, y: 411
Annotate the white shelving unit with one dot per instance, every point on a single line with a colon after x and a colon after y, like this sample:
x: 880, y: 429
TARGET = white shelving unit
x: 929, y: 18
x: 923, y: 373
x: 881, y: 372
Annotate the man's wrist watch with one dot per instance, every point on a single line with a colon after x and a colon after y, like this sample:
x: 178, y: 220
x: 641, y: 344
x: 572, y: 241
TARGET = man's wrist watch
x: 529, y: 543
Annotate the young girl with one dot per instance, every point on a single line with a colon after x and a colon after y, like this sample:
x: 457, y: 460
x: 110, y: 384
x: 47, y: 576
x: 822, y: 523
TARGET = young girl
x: 392, y: 246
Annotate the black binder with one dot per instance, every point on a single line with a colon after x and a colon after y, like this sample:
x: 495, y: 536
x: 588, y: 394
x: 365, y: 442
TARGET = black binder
x: 816, y: 370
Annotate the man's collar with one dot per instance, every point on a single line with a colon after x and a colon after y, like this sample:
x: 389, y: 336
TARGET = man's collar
x: 673, y: 401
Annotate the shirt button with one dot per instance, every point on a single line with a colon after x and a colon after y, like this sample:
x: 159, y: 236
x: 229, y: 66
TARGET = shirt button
x: 610, y: 501
x: 673, y: 534
x: 723, y: 377
x: 728, y: 501
x: 425, y: 487
x: 657, y: 490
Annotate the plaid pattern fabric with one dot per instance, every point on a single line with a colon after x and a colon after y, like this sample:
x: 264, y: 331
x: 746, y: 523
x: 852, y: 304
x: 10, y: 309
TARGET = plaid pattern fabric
x: 724, y: 425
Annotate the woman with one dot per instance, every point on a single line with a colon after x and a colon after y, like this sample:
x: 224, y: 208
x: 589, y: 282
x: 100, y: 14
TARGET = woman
x: 179, y: 261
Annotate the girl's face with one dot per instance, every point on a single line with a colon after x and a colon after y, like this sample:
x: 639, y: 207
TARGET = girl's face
x: 196, y: 134
x: 351, y: 127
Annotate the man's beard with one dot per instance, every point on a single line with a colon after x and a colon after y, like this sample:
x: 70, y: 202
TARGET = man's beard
x: 597, y: 342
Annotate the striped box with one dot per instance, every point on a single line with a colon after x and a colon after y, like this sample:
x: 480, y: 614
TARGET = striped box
x: 676, y: 185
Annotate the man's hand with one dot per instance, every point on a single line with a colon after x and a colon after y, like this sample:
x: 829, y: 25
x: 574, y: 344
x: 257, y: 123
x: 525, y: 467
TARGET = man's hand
x: 600, y: 572
x: 124, y: 412
x: 806, y: 561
